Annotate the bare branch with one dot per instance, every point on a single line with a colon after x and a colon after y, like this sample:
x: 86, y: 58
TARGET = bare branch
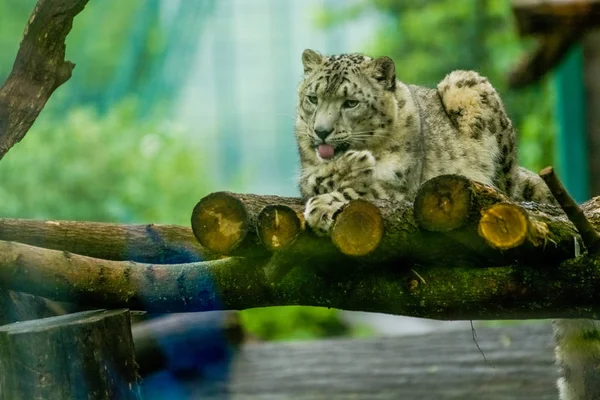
x: 39, y: 68
x: 568, y: 290
x: 574, y: 212
x: 151, y: 243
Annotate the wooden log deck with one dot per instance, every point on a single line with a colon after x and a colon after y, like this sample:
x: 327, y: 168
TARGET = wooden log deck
x: 436, y: 366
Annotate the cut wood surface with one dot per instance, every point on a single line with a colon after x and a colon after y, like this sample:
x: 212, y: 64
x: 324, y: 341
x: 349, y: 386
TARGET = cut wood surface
x: 278, y: 225
x: 225, y: 222
x: 432, y: 366
x: 506, y: 226
x: 450, y: 202
x: 83, y: 355
x: 358, y: 228
x: 39, y: 68
x: 448, y: 210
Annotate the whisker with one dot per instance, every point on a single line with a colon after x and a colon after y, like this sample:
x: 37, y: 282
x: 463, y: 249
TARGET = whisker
x: 376, y: 135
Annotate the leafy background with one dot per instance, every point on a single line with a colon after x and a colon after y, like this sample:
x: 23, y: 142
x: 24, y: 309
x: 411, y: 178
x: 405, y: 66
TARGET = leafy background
x: 114, y: 145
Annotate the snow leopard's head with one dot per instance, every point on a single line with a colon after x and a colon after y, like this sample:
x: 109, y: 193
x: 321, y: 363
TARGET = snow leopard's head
x: 344, y: 102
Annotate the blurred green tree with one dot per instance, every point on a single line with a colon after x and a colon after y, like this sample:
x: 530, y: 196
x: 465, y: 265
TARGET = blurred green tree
x: 83, y: 166
x: 429, y: 38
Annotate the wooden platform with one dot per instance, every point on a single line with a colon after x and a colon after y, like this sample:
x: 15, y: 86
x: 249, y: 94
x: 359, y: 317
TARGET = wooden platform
x: 440, y: 366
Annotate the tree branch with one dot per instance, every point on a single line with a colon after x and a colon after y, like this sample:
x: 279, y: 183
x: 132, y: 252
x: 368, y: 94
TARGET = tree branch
x: 525, y: 248
x: 450, y: 205
x: 574, y: 212
x: 568, y: 290
x: 151, y: 243
x: 38, y: 70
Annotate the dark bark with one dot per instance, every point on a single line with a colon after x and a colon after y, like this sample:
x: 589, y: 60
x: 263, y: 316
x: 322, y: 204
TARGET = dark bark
x: 566, y: 290
x: 150, y: 243
x: 558, y: 25
x: 39, y: 68
x: 541, y: 16
x: 575, y: 214
x: 84, y: 355
x: 591, y: 66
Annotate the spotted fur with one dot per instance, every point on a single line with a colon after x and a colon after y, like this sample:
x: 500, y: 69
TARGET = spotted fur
x: 389, y: 137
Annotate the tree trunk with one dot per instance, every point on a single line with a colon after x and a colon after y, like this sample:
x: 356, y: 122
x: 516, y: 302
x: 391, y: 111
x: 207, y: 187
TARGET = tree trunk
x: 84, y: 355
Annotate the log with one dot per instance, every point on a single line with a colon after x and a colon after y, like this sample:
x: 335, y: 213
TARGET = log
x: 358, y: 228
x: 84, y: 355
x: 225, y: 222
x: 148, y: 243
x: 90, y: 281
x: 450, y: 291
x: 278, y: 226
x: 507, y: 226
x: 401, y: 239
x: 39, y: 68
x: 449, y: 202
x: 504, y: 226
x: 480, y: 218
x: 401, y: 236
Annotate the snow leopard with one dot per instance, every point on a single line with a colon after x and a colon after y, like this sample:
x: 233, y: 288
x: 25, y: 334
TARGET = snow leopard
x: 363, y: 134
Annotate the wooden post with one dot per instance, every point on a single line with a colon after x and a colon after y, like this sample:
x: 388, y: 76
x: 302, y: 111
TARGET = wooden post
x: 86, y: 355
x: 591, y: 76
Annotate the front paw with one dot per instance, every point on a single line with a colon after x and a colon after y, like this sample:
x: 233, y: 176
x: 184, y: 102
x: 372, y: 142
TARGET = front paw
x: 320, y: 211
x: 358, y: 159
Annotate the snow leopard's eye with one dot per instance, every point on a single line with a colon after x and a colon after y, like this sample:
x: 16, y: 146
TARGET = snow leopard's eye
x: 350, y: 103
x: 313, y: 99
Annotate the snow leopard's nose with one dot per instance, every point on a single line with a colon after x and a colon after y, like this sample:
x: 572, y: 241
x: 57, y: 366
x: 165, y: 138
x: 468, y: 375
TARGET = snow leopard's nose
x: 322, y: 133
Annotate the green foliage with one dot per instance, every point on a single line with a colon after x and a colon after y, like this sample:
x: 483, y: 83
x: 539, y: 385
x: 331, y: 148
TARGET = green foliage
x: 112, y: 168
x: 428, y: 39
x: 299, y: 323
x: 115, y: 44
x: 14, y: 15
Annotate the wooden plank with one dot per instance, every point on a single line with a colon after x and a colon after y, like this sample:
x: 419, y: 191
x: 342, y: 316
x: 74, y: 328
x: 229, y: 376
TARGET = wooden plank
x: 440, y: 366
x: 87, y: 355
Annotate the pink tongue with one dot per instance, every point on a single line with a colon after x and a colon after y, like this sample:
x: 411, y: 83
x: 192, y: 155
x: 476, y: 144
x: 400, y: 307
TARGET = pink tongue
x: 325, y: 151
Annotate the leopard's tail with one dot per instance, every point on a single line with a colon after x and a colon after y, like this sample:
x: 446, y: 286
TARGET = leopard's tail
x: 577, y: 348
x: 578, y: 358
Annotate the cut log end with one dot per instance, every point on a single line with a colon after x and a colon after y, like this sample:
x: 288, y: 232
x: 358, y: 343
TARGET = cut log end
x: 358, y: 228
x: 444, y: 203
x: 220, y: 222
x: 278, y: 226
x: 504, y: 226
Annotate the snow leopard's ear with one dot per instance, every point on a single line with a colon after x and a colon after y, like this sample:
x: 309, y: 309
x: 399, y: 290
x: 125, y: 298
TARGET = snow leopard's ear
x: 383, y: 70
x: 311, y: 60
